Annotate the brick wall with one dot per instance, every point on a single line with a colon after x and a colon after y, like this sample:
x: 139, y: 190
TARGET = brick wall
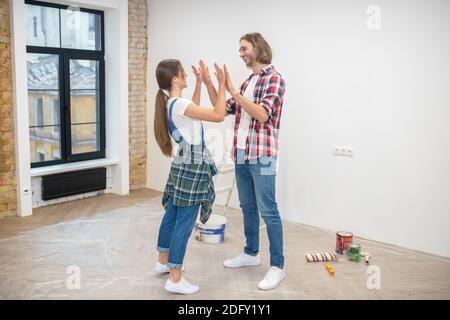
x: 7, y: 143
x: 137, y: 46
x: 137, y: 95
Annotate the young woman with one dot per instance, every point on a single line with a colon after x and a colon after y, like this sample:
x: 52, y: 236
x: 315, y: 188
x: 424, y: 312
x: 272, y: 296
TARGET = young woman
x: 189, y: 186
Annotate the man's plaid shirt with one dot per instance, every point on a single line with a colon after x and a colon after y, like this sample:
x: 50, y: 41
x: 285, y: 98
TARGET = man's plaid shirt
x: 262, y: 137
x: 190, y: 180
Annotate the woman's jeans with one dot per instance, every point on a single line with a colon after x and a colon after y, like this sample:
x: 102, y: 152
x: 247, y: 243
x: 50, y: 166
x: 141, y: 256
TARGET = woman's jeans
x: 255, y: 181
x: 174, y: 232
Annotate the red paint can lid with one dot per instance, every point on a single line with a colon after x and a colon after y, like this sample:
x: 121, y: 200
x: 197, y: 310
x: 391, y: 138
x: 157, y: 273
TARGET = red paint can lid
x: 344, y: 234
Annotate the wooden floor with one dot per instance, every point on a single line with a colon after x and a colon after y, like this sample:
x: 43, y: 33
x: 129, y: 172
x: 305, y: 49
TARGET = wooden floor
x: 63, y: 212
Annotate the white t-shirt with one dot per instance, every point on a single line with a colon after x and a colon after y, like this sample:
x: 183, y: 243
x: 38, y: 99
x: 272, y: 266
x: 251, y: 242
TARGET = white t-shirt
x: 245, y: 117
x: 190, y: 129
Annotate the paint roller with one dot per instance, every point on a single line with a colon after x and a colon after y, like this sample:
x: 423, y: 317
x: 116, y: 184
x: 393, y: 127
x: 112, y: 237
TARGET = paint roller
x: 320, y: 256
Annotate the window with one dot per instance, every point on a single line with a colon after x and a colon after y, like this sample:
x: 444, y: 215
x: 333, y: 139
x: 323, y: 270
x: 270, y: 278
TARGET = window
x: 55, y: 116
x: 91, y: 23
x: 35, y: 27
x: 65, y: 64
x: 39, y: 112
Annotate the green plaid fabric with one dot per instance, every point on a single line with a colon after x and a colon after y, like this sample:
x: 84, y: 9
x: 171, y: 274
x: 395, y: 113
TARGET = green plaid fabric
x: 190, y: 180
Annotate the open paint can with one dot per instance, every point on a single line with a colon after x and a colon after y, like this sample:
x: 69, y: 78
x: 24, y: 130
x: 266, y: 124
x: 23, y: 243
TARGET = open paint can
x: 343, y: 239
x: 213, y: 231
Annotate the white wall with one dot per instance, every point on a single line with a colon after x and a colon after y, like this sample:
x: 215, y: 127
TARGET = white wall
x: 383, y: 92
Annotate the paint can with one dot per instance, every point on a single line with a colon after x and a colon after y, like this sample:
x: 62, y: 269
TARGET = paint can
x: 213, y: 231
x: 320, y: 256
x: 354, y: 252
x: 343, y: 239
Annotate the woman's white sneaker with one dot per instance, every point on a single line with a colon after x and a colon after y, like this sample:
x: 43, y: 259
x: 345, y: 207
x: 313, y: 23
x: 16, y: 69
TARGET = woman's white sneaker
x: 243, y: 260
x: 182, y: 287
x: 272, y: 278
x: 163, y: 268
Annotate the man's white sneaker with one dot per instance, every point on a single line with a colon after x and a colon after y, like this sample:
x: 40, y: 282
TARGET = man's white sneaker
x: 182, y: 287
x: 163, y: 268
x: 272, y: 278
x: 243, y: 260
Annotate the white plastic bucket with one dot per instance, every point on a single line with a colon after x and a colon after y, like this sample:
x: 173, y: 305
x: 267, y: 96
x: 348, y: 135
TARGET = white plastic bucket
x: 213, y: 231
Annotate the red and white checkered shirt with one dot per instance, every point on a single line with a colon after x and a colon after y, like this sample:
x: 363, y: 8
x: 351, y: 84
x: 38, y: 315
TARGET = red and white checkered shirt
x: 262, y: 137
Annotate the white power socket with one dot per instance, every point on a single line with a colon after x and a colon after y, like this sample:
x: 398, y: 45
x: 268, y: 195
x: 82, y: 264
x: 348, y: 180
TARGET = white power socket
x: 343, y: 151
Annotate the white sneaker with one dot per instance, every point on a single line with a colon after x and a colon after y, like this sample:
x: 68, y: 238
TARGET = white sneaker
x: 243, y: 260
x: 163, y: 268
x: 182, y: 286
x: 272, y: 278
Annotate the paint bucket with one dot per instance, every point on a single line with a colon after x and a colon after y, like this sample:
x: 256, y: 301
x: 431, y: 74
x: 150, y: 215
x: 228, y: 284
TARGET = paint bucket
x: 343, y: 239
x: 213, y: 231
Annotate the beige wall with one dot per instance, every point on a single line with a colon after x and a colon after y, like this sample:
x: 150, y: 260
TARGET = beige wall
x: 7, y: 152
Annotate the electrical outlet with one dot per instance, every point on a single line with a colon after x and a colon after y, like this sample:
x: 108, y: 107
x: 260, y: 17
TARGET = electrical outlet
x: 343, y: 151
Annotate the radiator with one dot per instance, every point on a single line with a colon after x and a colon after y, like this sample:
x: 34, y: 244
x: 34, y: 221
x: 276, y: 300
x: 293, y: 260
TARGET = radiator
x: 71, y: 183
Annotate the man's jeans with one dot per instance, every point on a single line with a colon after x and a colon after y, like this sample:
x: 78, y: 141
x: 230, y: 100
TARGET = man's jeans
x: 255, y: 181
x: 174, y: 232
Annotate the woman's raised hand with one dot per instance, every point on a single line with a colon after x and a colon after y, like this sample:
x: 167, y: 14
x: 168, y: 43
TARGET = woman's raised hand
x: 204, y: 72
x: 197, y: 74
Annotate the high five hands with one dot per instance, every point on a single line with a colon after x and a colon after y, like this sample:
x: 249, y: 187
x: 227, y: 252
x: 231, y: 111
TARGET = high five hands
x: 206, y: 78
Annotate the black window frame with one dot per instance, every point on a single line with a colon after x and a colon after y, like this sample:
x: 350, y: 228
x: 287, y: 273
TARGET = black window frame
x: 65, y: 55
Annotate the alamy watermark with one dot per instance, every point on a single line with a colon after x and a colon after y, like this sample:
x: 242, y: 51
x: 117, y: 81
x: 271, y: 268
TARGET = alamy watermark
x: 73, y: 22
x: 73, y: 281
x: 374, y: 280
x: 373, y: 21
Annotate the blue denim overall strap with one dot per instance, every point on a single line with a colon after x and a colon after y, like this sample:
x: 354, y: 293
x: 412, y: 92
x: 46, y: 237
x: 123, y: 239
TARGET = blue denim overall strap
x: 190, y: 178
x: 174, y: 132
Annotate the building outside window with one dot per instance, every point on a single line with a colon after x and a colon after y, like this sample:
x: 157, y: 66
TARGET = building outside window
x: 65, y: 65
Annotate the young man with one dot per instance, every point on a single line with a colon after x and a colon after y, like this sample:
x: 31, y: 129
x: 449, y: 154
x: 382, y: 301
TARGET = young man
x: 257, y: 108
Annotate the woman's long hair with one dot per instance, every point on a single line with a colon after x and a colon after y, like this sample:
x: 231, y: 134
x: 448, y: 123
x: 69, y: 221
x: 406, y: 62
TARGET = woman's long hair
x: 165, y: 72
